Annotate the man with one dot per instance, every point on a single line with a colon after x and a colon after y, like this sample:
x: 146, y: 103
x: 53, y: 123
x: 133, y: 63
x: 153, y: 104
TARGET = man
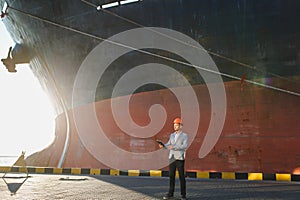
x: 177, y: 145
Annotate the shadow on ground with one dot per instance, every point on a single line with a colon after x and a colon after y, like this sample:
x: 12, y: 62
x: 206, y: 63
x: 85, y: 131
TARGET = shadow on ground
x: 14, y: 183
x: 208, y: 188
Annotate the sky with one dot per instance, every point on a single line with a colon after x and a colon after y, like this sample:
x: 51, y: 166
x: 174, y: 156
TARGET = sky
x: 26, y: 115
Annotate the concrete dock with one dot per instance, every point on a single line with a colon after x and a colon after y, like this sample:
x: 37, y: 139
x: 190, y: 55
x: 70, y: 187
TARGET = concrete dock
x: 45, y: 186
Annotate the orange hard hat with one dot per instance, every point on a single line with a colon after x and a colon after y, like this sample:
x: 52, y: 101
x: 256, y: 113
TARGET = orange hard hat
x: 177, y: 121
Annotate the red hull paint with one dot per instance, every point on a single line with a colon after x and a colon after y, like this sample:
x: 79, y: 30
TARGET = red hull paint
x: 261, y: 131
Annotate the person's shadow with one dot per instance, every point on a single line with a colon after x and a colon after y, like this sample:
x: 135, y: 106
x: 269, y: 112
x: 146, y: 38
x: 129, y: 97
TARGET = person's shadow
x: 13, y: 187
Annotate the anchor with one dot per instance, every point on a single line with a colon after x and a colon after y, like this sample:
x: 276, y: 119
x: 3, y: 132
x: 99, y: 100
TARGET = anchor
x: 17, y: 55
x: 8, y: 62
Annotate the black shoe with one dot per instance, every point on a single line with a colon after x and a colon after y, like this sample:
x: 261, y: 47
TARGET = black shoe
x: 183, y: 198
x: 168, y: 196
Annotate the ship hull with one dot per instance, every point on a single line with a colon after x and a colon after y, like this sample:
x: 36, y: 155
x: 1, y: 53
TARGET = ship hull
x: 254, y: 44
x: 255, y: 137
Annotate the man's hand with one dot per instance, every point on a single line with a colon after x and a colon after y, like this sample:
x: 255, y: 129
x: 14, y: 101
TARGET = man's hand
x: 170, y: 147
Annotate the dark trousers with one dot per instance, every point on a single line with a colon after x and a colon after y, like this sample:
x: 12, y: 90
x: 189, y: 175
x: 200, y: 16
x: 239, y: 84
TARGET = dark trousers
x: 179, y: 164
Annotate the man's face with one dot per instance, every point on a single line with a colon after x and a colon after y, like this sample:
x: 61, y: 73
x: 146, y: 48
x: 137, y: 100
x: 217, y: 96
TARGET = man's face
x: 176, y: 127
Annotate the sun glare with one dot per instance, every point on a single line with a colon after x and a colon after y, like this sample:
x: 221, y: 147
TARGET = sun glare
x: 26, y: 115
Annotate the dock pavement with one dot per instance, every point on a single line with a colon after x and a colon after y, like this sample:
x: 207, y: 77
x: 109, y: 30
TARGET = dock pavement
x: 73, y: 187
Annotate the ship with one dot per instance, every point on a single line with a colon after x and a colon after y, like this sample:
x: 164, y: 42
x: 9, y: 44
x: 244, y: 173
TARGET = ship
x: 119, y: 71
